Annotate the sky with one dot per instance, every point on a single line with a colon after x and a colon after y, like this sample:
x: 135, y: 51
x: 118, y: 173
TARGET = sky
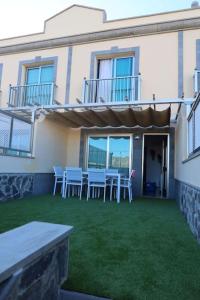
x: 19, y: 17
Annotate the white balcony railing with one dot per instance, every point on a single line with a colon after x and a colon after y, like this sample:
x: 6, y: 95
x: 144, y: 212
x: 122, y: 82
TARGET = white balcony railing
x: 30, y: 95
x: 117, y: 89
x: 197, y: 81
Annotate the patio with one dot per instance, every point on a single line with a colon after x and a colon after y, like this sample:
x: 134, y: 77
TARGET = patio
x: 140, y: 251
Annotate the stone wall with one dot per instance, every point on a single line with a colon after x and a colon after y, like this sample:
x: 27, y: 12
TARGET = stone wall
x: 41, y: 279
x: 15, y: 186
x: 38, y: 271
x: 189, y: 202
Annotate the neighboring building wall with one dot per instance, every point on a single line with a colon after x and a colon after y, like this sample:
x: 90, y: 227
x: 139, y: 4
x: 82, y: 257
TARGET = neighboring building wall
x: 50, y: 148
x: 187, y: 177
x: 186, y: 170
x: 188, y: 197
x: 190, y: 38
x: 21, y: 176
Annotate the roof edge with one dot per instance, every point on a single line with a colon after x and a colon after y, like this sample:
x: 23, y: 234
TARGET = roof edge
x: 104, y: 18
x: 153, y: 14
x: 77, y: 5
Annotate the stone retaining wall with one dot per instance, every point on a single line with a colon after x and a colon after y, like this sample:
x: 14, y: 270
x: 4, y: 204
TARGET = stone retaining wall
x: 41, y: 279
x: 189, y: 202
x: 37, y: 271
x: 15, y: 186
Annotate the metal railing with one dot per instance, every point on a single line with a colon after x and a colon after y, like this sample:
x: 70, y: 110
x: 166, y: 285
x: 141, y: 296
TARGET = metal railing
x: 31, y: 95
x: 197, y: 81
x: 116, y: 89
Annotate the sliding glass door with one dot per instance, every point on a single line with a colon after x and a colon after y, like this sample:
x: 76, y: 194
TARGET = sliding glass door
x: 119, y: 153
x: 115, y: 80
x: 39, y: 85
x: 122, y: 84
x: 113, y: 152
x: 97, y: 152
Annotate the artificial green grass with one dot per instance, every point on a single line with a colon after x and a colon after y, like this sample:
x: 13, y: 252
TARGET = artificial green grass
x: 142, y: 250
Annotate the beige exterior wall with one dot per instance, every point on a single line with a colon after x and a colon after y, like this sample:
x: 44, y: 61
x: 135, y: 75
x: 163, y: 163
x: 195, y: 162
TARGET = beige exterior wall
x: 158, y: 61
x: 73, y: 148
x: 158, y: 55
x: 11, y: 67
x: 50, y: 149
x: 77, y: 20
x: 189, y: 53
x: 54, y: 144
x: 185, y: 171
x: 158, y: 64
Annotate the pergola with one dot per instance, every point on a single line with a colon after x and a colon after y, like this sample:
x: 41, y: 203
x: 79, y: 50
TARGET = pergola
x: 158, y: 113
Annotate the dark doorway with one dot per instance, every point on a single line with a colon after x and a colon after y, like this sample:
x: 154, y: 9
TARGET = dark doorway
x: 155, y: 165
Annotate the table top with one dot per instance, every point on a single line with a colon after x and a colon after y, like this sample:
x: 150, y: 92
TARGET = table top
x: 107, y: 174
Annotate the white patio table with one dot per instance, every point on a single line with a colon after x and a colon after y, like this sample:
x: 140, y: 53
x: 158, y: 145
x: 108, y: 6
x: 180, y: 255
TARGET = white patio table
x: 112, y: 175
x: 108, y: 175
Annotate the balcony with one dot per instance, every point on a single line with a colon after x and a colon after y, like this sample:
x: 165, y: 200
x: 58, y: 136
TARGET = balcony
x: 197, y: 81
x: 117, y: 89
x: 32, y: 95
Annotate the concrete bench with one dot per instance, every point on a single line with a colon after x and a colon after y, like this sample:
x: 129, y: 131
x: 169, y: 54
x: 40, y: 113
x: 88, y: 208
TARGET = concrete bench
x: 34, y: 261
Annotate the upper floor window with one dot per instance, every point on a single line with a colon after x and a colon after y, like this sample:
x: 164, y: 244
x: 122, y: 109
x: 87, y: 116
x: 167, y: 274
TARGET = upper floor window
x: 39, y: 75
x: 38, y: 88
x: 115, y: 67
x: 115, y: 79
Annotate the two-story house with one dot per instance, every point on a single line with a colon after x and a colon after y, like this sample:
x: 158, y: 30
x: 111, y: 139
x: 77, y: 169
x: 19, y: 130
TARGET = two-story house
x: 101, y: 93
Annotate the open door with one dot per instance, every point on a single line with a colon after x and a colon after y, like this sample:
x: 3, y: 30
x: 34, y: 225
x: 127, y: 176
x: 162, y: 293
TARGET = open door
x: 164, y: 169
x: 155, y: 165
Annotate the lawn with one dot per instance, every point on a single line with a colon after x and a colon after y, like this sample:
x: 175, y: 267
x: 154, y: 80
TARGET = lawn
x: 142, y: 250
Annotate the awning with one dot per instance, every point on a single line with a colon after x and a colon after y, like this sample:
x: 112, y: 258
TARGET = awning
x: 111, y: 117
x: 144, y: 113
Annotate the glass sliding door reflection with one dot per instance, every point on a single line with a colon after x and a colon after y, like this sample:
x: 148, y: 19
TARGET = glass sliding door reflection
x: 119, y: 154
x: 38, y: 89
x: 122, y: 88
x: 97, y: 153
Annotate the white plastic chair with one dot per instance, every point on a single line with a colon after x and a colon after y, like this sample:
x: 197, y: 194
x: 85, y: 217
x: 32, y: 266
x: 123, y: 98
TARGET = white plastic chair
x: 111, y: 180
x: 58, y: 174
x: 126, y: 183
x: 114, y: 171
x: 96, y: 179
x: 73, y: 177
